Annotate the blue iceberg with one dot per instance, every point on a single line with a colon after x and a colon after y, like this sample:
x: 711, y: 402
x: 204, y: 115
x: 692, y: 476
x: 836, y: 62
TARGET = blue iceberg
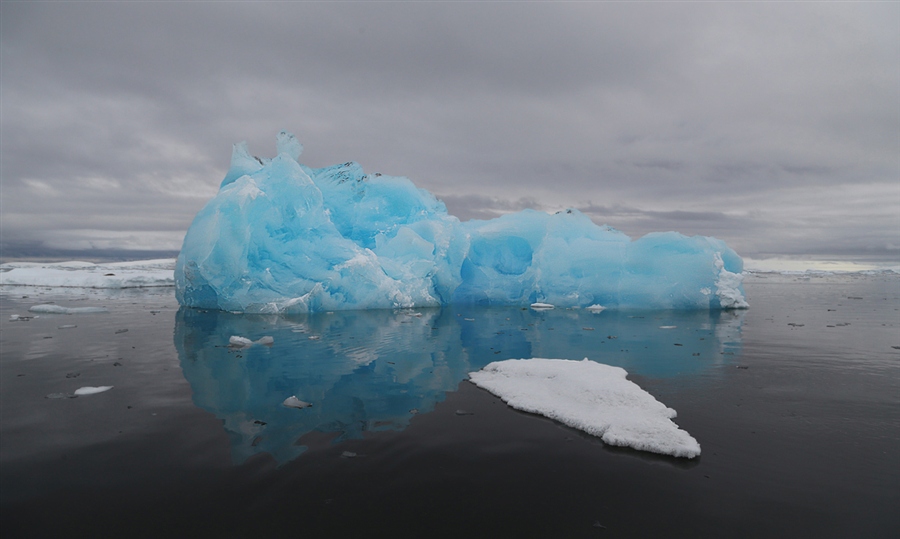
x: 280, y: 237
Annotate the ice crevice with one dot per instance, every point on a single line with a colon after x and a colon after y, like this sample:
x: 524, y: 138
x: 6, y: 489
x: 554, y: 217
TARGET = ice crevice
x: 286, y: 238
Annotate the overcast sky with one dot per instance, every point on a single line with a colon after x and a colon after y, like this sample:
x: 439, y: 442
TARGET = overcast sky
x: 774, y: 126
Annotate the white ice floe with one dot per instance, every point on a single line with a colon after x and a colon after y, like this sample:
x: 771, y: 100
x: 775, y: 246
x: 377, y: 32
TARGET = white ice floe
x: 138, y: 274
x: 50, y: 308
x: 541, y: 306
x: 294, y: 402
x: 589, y: 396
x: 596, y: 308
x: 91, y: 390
x: 243, y: 342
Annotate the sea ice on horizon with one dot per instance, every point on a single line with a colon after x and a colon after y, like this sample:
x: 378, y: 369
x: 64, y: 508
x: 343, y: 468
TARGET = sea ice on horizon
x: 588, y: 396
x: 49, y: 308
x: 282, y: 237
x: 76, y: 274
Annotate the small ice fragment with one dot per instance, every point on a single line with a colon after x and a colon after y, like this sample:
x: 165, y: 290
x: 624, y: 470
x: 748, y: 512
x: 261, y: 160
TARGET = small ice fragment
x: 667, y: 327
x: 463, y: 412
x: 541, y: 306
x: 294, y: 402
x: 88, y: 390
x: 50, y: 308
x: 596, y: 308
x: 348, y: 454
x: 314, y: 337
x: 239, y: 342
x: 266, y: 341
x: 66, y: 326
x: 57, y: 396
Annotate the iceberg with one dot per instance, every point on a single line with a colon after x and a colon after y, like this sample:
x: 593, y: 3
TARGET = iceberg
x: 280, y: 237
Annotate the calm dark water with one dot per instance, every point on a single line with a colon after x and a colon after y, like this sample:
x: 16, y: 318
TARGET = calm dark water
x: 795, y: 402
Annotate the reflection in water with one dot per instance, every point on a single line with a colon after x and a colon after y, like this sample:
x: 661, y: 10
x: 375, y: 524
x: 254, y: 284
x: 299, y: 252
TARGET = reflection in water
x: 374, y: 370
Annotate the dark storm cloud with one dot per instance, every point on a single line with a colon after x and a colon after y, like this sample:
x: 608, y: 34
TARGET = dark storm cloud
x: 774, y: 126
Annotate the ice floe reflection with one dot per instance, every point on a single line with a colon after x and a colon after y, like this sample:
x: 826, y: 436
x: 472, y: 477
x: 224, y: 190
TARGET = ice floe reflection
x: 375, y: 370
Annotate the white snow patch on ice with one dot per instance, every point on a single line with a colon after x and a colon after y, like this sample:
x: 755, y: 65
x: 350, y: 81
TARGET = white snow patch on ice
x: 589, y: 396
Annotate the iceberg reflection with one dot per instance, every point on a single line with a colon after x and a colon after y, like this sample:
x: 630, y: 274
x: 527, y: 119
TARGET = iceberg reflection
x: 374, y: 370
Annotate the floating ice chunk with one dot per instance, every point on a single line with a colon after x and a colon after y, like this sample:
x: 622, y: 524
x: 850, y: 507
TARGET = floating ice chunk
x: 596, y: 308
x: 294, y: 402
x: 541, y: 306
x: 589, y: 396
x: 239, y: 342
x: 243, y: 342
x: 280, y: 237
x: 50, y: 308
x: 88, y: 390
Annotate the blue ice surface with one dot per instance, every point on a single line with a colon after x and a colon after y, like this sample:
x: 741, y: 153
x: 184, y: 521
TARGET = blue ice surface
x: 280, y: 237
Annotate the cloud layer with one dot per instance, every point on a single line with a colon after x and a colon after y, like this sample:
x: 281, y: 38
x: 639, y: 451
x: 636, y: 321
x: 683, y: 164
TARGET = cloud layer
x: 774, y: 126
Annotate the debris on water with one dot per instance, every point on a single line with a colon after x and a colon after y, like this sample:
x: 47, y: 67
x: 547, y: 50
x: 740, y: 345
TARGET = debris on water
x: 18, y: 318
x: 117, y: 364
x: 896, y: 347
x: 73, y: 374
x: 121, y: 331
x: 66, y: 326
x: 678, y: 344
x: 741, y: 367
x: 415, y: 411
x: 588, y: 329
x: 294, y: 402
x: 795, y: 325
x: 88, y: 390
x: 59, y: 396
x: 258, y: 422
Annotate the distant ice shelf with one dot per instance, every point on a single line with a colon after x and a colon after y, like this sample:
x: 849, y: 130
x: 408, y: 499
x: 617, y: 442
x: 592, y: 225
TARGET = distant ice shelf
x: 591, y: 397
x: 282, y: 237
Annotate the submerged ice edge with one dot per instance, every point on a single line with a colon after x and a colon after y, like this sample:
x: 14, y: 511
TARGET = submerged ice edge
x: 280, y: 237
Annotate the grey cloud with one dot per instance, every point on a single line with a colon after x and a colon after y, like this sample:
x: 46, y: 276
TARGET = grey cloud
x: 698, y: 111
